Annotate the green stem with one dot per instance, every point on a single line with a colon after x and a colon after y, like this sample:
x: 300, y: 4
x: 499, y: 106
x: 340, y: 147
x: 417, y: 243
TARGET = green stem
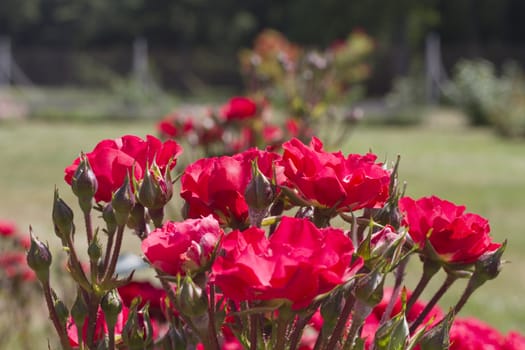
x: 212, y: 330
x: 400, y: 273
x: 111, y: 340
x: 295, y: 337
x: 442, y: 290
x: 116, y: 251
x: 341, y: 323
x: 254, y: 324
x: 430, y: 268
x: 61, y: 331
x: 472, y: 285
x: 281, y: 334
x: 107, y: 255
x: 92, y: 320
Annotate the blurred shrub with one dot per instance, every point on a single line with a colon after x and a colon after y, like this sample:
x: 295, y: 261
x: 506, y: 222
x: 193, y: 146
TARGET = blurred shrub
x: 488, y: 98
x: 406, y: 102
x: 473, y: 88
x: 308, y: 84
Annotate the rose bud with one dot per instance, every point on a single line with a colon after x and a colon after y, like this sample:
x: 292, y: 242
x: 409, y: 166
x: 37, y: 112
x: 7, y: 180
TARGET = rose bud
x: 39, y: 259
x: 123, y: 201
x: 62, y: 218
x: 112, y: 306
x: 84, y: 184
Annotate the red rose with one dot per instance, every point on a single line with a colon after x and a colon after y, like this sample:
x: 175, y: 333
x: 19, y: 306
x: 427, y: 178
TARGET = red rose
x: 456, y: 236
x: 472, y: 334
x: 146, y: 291
x: 167, y: 127
x: 216, y: 185
x: 7, y: 228
x: 298, y: 262
x: 514, y: 341
x: 182, y: 247
x: 238, y: 108
x: 112, y: 160
x: 330, y: 179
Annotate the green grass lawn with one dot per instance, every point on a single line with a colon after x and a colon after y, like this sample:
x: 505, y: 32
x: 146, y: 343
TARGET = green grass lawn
x: 467, y: 166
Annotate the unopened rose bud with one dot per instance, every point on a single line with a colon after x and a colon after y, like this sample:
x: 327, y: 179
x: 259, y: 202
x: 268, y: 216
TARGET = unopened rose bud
x: 62, y: 218
x: 156, y: 190
x: 95, y: 249
x: 260, y: 192
x: 437, y: 338
x: 331, y: 310
x: 369, y: 288
x: 137, y: 220
x: 108, y: 215
x: 39, y: 259
x: 123, y: 201
x: 138, y: 331
x: 394, y: 334
x: 84, y: 184
x: 190, y: 298
x: 112, y: 306
x: 79, y: 311
x: 488, y: 265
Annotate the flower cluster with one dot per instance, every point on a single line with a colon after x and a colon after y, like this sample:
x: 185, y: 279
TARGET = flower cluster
x: 288, y: 250
x: 239, y: 124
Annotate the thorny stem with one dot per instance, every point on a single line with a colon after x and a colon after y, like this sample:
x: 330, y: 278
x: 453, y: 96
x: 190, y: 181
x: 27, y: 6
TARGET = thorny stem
x: 442, y: 290
x: 299, y: 327
x: 281, y: 334
x: 430, y: 268
x: 254, y: 324
x: 107, y: 256
x: 341, y: 323
x: 64, y: 341
x: 116, y: 251
x: 211, y: 326
x: 400, y: 274
x: 92, y: 320
x: 471, y: 287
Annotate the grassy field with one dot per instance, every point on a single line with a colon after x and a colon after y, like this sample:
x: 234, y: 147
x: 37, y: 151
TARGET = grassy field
x: 467, y: 166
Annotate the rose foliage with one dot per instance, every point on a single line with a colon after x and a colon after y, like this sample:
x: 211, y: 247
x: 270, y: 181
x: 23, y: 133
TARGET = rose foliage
x: 274, y: 250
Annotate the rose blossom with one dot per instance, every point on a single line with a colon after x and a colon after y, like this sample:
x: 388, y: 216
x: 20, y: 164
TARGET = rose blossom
x: 216, y: 185
x: 182, y: 247
x: 330, y: 179
x: 7, y: 228
x: 472, y: 334
x: 298, y: 262
x: 456, y: 236
x: 112, y: 160
x: 238, y: 108
x: 148, y: 294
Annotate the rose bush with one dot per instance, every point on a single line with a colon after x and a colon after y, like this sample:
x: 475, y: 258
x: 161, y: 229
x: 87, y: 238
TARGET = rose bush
x: 304, y: 250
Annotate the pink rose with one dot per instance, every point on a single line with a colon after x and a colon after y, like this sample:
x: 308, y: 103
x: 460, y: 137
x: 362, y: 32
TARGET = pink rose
x: 298, y: 262
x: 332, y: 180
x: 456, y: 236
x: 112, y: 160
x: 182, y: 247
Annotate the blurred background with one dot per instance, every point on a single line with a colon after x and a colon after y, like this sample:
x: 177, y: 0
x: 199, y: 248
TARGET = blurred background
x: 439, y: 82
